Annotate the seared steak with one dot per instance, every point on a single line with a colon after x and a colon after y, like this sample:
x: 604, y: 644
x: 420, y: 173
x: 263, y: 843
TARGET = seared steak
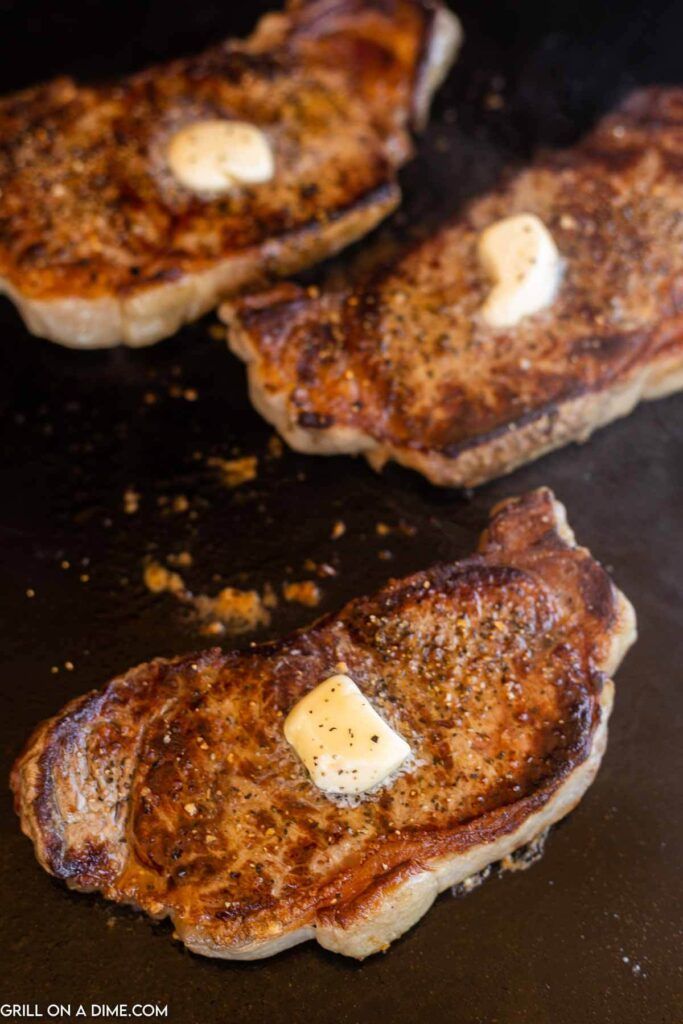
x: 100, y: 244
x: 403, y: 366
x: 173, y: 788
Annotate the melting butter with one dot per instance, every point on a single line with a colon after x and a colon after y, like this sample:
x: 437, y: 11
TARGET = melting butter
x: 521, y: 258
x: 344, y: 744
x: 217, y: 155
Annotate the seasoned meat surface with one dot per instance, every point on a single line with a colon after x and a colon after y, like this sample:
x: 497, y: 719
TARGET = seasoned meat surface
x: 173, y: 787
x: 401, y: 365
x: 89, y: 208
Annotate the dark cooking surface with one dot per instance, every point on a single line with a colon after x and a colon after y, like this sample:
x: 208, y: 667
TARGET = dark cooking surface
x: 592, y: 932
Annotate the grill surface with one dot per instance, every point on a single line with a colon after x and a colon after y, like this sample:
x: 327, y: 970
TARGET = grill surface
x: 592, y: 932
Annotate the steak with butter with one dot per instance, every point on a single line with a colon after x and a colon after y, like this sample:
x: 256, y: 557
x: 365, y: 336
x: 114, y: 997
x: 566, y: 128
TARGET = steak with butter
x: 175, y: 789
x: 418, y: 363
x: 128, y: 209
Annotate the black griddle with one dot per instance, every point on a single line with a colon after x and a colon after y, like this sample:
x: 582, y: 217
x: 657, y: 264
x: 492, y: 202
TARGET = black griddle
x: 589, y: 934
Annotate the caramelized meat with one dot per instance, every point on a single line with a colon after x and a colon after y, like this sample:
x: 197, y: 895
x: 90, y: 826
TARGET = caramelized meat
x: 173, y: 787
x: 99, y: 243
x: 402, y: 365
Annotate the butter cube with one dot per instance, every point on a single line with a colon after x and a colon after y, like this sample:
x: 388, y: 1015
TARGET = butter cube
x: 342, y: 741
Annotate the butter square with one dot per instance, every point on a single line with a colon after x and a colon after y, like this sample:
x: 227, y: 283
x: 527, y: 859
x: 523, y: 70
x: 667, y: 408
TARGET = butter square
x: 344, y: 744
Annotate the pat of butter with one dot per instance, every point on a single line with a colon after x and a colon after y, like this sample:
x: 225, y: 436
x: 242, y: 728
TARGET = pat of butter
x: 214, y: 156
x: 342, y: 741
x: 521, y: 258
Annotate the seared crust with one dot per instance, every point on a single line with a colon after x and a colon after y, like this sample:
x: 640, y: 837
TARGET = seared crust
x: 99, y: 243
x: 173, y: 788
x: 401, y: 366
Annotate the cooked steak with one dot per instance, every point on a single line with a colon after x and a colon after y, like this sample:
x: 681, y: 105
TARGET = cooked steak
x: 174, y: 789
x: 100, y: 243
x: 404, y: 366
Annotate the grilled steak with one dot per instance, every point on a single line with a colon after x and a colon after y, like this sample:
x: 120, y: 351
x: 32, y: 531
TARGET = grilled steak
x: 173, y: 788
x: 402, y: 365
x: 100, y: 244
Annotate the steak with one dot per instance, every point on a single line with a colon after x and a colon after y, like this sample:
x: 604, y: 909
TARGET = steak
x: 101, y: 244
x: 173, y: 788
x: 401, y: 365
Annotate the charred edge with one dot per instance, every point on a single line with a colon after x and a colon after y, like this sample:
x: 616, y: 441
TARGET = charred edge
x: 56, y: 739
x: 89, y: 867
x: 527, y: 523
x: 533, y: 511
x: 504, y: 820
x: 550, y: 409
x: 240, y: 910
x: 633, y: 348
x: 598, y: 594
x: 385, y: 196
x: 445, y: 580
x: 343, y: 913
x: 605, y: 350
x: 315, y: 420
x: 478, y: 831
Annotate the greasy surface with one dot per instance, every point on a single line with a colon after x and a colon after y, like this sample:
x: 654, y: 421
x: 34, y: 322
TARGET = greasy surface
x: 88, y: 206
x: 402, y: 364
x: 593, y: 930
x: 175, y: 789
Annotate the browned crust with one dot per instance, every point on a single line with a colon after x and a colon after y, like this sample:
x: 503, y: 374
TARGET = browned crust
x: 93, y: 226
x: 142, y: 316
x: 544, y: 431
x: 400, y: 366
x: 108, y: 765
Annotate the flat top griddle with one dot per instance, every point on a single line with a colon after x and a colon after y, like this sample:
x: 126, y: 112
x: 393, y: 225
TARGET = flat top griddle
x: 592, y: 932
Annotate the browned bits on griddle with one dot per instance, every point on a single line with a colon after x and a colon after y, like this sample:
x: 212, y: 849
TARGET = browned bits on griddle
x: 160, y: 580
x: 235, y: 472
x: 232, y: 610
x: 338, y: 529
x: 131, y: 501
x: 304, y: 592
x: 239, y: 611
x: 322, y: 570
x: 180, y: 559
